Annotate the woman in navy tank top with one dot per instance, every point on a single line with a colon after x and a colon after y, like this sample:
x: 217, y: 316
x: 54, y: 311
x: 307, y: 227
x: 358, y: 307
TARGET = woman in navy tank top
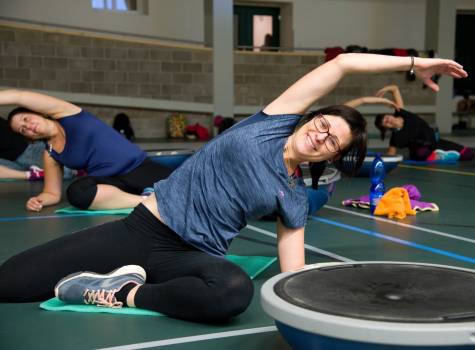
x: 167, y: 255
x: 117, y: 170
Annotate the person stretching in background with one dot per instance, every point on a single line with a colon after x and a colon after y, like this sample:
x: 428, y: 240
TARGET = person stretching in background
x: 408, y: 130
x: 117, y: 170
x: 21, y: 159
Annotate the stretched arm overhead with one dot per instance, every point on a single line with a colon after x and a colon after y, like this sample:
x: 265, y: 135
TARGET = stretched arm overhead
x: 394, y: 90
x: 371, y: 100
x: 319, y: 82
x: 40, y: 103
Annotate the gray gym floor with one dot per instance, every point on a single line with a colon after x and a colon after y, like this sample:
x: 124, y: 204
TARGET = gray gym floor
x: 336, y: 233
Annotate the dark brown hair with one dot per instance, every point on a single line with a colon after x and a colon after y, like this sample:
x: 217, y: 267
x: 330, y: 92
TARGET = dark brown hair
x: 17, y: 110
x: 378, y: 122
x: 351, y: 157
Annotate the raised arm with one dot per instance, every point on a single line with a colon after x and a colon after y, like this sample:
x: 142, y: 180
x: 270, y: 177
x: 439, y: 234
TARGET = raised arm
x: 44, y: 104
x: 371, y: 100
x: 319, y: 82
x: 394, y: 90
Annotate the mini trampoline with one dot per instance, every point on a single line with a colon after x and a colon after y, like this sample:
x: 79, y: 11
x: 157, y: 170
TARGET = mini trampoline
x: 170, y: 158
x: 390, y: 163
x: 373, y: 306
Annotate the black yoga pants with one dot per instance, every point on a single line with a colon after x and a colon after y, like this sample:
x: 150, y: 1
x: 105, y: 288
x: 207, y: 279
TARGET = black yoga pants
x: 82, y: 191
x: 182, y: 281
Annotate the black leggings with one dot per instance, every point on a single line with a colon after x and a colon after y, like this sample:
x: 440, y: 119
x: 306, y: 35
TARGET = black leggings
x: 81, y: 192
x: 182, y: 282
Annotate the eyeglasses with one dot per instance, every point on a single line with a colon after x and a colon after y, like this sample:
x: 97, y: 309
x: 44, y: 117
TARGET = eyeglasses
x: 323, y: 126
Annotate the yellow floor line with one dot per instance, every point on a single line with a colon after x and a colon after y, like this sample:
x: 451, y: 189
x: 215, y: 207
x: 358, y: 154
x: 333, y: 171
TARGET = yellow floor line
x: 436, y: 169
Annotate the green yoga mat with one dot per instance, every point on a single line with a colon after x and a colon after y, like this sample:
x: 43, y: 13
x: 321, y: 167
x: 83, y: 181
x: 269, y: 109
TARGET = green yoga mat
x: 253, y: 265
x: 72, y: 210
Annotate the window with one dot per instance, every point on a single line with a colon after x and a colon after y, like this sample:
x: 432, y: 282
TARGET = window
x: 118, y: 5
x: 257, y: 28
x: 464, y: 53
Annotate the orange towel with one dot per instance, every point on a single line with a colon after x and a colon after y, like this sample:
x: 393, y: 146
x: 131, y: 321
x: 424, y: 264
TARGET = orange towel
x: 395, y: 204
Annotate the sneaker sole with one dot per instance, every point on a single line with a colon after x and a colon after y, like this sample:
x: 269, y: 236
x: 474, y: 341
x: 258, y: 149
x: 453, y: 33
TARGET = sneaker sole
x: 124, y: 270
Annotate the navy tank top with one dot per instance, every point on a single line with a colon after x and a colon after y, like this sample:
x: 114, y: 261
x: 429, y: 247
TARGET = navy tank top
x: 96, y: 147
x: 238, y: 176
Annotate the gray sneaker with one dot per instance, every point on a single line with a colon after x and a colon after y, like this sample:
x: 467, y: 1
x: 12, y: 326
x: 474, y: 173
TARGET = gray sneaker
x: 97, y: 289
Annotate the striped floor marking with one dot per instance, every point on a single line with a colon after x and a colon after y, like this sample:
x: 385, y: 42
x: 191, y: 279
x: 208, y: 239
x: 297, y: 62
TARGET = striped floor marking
x: 457, y: 172
x: 307, y: 246
x: 195, y: 338
x: 394, y: 222
x: 396, y: 240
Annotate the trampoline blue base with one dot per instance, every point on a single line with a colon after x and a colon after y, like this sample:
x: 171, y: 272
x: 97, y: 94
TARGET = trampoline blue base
x: 365, y: 169
x: 302, y: 340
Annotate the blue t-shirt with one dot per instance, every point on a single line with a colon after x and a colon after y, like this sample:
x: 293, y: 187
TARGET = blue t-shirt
x: 96, y: 147
x: 239, y: 175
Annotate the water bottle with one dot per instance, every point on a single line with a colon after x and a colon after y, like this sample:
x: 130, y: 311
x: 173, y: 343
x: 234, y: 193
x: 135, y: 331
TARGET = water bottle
x: 376, y: 175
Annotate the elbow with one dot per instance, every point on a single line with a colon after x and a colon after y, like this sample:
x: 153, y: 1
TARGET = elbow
x: 340, y: 59
x: 55, y: 198
x: 343, y: 62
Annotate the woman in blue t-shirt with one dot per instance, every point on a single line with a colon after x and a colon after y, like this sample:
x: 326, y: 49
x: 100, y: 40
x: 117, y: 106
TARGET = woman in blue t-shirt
x: 117, y: 170
x: 167, y: 255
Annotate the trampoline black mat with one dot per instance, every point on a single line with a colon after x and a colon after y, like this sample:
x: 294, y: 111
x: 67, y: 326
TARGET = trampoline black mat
x: 387, y: 292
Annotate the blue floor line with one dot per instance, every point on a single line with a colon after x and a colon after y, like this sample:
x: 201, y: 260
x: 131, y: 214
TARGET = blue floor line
x: 21, y: 218
x: 396, y: 240
x: 326, y: 221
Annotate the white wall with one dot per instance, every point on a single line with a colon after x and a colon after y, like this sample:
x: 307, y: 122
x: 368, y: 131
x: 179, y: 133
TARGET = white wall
x: 465, y: 4
x: 370, y: 23
x: 317, y: 23
x: 175, y: 19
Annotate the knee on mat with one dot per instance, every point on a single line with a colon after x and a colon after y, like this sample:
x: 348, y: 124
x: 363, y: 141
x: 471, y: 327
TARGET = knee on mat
x: 232, y: 297
x: 81, y: 192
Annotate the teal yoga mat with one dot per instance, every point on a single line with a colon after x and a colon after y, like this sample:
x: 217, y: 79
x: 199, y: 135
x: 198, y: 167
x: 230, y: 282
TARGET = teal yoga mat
x: 73, y: 210
x: 55, y: 304
x: 253, y: 265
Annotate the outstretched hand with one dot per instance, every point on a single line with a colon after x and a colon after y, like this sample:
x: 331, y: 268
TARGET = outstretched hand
x: 426, y: 68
